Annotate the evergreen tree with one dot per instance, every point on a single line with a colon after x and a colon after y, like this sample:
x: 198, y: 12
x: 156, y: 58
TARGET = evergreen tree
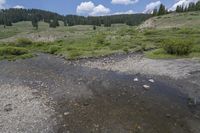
x: 107, y: 22
x: 191, y: 7
x: 178, y: 9
x: 65, y: 23
x: 94, y: 27
x: 161, y: 10
x: 198, y: 6
x: 35, y: 22
x: 54, y: 23
x: 155, y: 12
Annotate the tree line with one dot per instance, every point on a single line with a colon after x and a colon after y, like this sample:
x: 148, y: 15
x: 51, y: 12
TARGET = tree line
x: 129, y: 19
x: 191, y: 7
x: 162, y: 10
x: 10, y: 16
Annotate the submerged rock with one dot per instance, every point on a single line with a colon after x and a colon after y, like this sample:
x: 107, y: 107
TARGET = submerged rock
x: 136, y: 80
x: 66, y: 113
x: 147, y: 87
x: 192, y: 102
x: 168, y: 115
x: 8, y: 108
x: 151, y: 80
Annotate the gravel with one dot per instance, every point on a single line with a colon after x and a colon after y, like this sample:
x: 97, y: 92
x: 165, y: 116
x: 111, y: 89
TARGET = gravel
x: 23, y: 111
x: 134, y: 64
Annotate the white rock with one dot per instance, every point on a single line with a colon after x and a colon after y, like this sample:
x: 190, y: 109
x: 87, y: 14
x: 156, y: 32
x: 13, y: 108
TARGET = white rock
x: 66, y: 113
x: 151, y: 80
x: 146, y: 86
x: 136, y: 79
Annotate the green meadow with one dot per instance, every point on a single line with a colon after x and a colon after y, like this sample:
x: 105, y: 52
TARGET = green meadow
x: 169, y: 41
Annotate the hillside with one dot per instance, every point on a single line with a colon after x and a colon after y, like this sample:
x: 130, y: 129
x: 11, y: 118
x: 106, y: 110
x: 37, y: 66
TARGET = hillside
x: 187, y: 19
x: 10, y: 16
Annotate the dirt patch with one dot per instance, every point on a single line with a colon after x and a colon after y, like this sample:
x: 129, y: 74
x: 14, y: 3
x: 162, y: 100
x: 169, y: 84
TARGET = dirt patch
x: 134, y: 64
x: 150, y: 23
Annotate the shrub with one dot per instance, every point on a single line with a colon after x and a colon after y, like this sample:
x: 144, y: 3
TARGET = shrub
x: 59, y: 41
x: 150, y: 32
x: 125, y: 50
x: 54, y: 49
x: 74, y: 54
x: 196, y: 48
x: 23, y: 42
x: 100, y: 38
x: 4, y: 51
x: 188, y: 31
x: 177, y: 46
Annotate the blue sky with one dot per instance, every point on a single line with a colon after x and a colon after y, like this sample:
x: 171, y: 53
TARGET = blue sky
x: 90, y: 7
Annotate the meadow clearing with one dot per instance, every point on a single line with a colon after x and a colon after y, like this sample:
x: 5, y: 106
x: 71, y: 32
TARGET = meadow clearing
x: 164, y: 38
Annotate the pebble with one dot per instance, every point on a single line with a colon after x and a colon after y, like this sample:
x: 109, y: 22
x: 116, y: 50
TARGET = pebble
x: 66, y: 113
x: 136, y: 79
x: 85, y: 104
x: 168, y: 115
x: 8, y: 108
x: 146, y: 86
x: 151, y: 80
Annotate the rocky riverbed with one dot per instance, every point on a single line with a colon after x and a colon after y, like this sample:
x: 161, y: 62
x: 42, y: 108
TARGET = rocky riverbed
x: 119, y: 94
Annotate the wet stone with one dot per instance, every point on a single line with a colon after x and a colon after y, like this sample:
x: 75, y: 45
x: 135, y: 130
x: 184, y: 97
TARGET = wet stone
x: 146, y: 87
x: 168, y: 115
x: 86, y: 104
x: 66, y: 113
x: 192, y: 102
x: 135, y: 80
x: 151, y: 80
x: 8, y: 108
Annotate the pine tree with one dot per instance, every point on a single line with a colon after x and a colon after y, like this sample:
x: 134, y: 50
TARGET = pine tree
x: 35, y: 22
x: 54, y: 23
x: 94, y: 27
x: 198, y: 6
x: 65, y: 22
x: 107, y: 22
x: 155, y: 12
x: 191, y: 7
x: 161, y: 10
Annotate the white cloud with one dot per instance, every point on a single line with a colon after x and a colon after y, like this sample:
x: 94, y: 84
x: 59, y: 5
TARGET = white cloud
x: 19, y: 7
x: 85, y: 7
x: 100, y: 10
x: 2, y: 3
x: 124, y: 2
x: 184, y: 3
x: 126, y: 12
x: 151, y: 6
x: 88, y: 8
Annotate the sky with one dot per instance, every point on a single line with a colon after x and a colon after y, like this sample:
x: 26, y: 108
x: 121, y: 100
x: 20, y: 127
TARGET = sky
x: 94, y: 7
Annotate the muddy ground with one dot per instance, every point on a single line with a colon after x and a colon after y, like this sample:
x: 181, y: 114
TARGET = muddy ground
x: 51, y: 95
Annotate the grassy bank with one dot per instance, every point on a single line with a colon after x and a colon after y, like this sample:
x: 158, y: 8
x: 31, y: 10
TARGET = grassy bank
x: 82, y: 41
x: 13, y: 53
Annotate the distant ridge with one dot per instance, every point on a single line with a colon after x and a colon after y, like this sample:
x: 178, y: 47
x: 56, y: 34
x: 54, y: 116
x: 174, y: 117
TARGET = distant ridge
x: 9, y: 16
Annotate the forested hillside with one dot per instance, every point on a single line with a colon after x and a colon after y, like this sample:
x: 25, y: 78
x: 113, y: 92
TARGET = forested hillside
x: 9, y: 16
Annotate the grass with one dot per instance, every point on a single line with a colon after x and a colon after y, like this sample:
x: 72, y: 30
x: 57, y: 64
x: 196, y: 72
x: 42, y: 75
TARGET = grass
x: 13, y: 53
x: 187, y: 19
x: 82, y: 41
x: 160, y: 54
